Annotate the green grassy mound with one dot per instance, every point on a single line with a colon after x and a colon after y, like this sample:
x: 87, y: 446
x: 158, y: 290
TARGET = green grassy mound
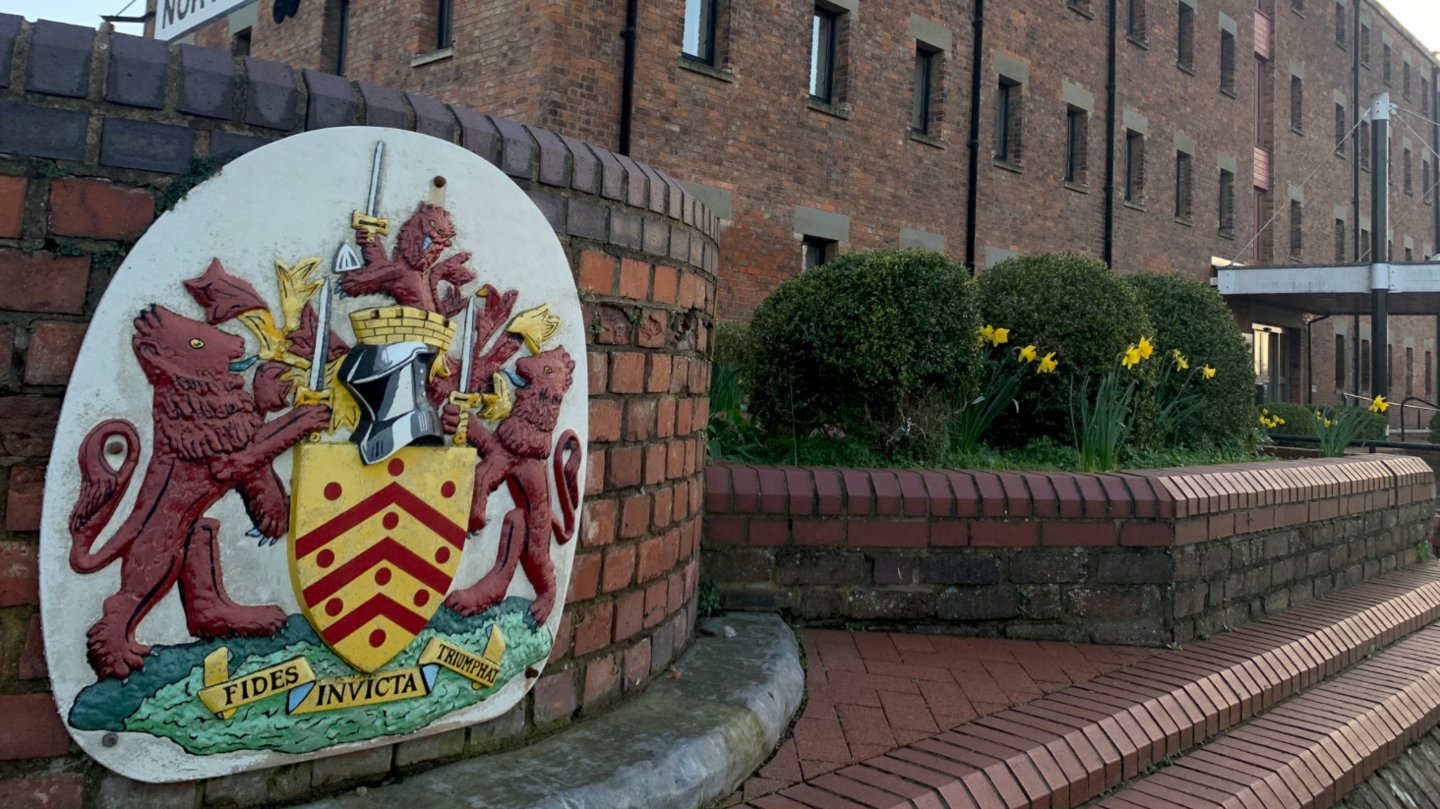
x: 162, y: 699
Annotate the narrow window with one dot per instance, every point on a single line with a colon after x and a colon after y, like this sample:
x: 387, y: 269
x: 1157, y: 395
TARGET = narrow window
x: 1427, y: 374
x: 1409, y: 254
x: 1364, y: 45
x: 817, y: 251
x: 1008, y: 121
x: 1425, y: 181
x: 342, y: 39
x: 1409, y: 186
x: 700, y: 30
x: 1227, y: 62
x: 1340, y: 24
x: 1184, y: 191
x: 1339, y: 241
x: 1135, y: 19
x: 1077, y: 145
x: 1297, y: 104
x: 1405, y: 79
x: 1186, y: 38
x: 1385, y: 64
x: 1424, y: 97
x: 1297, y: 231
x: 1340, y: 361
x: 822, y: 55
x: 1134, y: 167
x: 920, y: 108
x: 1263, y: 236
x: 444, y: 23
x: 240, y: 43
x: 1364, y: 247
x: 1298, y: 6
x: 1409, y: 371
x: 1365, y: 145
x: 1340, y: 130
x: 1365, y: 364
x: 1227, y: 203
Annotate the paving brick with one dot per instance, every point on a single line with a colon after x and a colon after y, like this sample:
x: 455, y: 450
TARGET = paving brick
x: 555, y: 697
x: 137, y: 71
x: 118, y: 792
x: 439, y: 746
x: 146, y: 146
x: 364, y: 765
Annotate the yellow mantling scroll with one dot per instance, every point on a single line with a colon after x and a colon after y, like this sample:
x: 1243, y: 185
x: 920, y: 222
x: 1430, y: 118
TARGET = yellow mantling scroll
x: 482, y: 670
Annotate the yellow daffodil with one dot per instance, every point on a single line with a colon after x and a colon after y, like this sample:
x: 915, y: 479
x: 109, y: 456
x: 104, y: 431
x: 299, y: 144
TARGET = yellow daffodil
x: 1146, y: 348
x: 1132, y: 357
x: 1000, y: 336
x: 1027, y: 354
x: 986, y: 332
x: 1047, y: 364
x: 1208, y: 372
x: 1181, y: 364
x: 1279, y: 420
x: 1379, y: 405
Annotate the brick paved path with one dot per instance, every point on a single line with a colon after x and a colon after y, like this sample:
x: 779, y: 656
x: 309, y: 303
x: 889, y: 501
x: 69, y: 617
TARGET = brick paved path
x: 871, y: 692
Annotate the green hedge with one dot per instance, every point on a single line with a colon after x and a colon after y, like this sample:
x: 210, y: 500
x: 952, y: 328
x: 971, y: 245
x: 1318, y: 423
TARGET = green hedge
x: 1192, y: 317
x: 879, y: 344
x: 1300, y: 420
x: 1069, y: 304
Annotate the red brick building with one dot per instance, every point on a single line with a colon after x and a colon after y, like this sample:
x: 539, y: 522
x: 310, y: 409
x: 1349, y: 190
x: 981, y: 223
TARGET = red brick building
x: 1181, y: 135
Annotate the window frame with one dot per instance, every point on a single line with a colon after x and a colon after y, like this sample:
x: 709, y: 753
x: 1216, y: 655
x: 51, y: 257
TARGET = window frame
x: 1185, y: 38
x: 1135, y: 20
x: 1077, y: 147
x: 444, y: 24
x: 1134, y: 167
x: 813, y: 247
x: 1184, y: 186
x: 1225, y: 202
x: 823, y: 18
x: 922, y: 105
x: 706, y: 26
x: 1004, y: 113
x: 1341, y: 29
x: 1342, y: 128
x: 1227, y: 62
x: 1297, y: 104
x: 342, y: 50
x: 1297, y: 230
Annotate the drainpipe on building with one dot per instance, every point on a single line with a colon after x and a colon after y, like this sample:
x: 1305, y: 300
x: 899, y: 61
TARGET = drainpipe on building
x: 1355, y: 163
x: 972, y: 189
x: 1379, y: 245
x: 627, y: 82
x: 1110, y: 89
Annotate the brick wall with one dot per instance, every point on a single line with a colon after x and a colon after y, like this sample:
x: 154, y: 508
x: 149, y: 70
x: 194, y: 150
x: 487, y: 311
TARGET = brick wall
x: 94, y: 127
x: 1144, y: 557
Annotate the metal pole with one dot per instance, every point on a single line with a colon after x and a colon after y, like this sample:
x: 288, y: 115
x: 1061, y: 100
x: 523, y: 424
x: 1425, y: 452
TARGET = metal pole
x: 1379, y: 244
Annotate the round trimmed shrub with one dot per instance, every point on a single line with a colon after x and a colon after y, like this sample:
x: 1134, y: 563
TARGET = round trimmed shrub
x: 1192, y: 317
x: 1069, y: 304
x: 862, y: 343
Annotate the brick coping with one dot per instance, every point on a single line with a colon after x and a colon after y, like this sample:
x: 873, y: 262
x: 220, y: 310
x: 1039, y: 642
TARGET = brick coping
x: 750, y: 504
x: 1075, y: 745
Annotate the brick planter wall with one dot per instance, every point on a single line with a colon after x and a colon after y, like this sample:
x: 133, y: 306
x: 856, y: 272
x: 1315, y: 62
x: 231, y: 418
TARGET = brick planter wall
x: 1144, y: 557
x: 94, y: 127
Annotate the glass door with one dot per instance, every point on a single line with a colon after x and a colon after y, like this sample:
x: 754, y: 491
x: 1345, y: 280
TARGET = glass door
x: 1272, y: 364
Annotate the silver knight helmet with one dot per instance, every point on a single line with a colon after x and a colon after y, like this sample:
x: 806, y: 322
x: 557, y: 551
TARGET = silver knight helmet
x: 388, y: 371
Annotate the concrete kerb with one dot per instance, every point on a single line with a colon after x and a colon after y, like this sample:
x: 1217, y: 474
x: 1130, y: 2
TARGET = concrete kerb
x: 686, y: 741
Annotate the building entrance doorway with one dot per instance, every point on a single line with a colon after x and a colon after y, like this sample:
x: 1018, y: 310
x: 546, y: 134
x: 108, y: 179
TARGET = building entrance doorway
x: 1272, y: 364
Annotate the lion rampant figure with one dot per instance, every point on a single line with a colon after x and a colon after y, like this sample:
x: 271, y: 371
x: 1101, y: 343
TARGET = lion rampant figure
x: 210, y: 437
x: 515, y: 454
x: 411, y: 275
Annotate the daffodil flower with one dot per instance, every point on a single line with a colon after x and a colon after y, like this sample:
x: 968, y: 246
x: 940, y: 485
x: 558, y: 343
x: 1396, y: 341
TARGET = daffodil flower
x: 1379, y: 405
x: 1000, y: 336
x: 1208, y: 372
x: 1047, y: 364
x: 1132, y: 357
x: 1181, y: 364
x: 1027, y: 354
x: 1146, y: 348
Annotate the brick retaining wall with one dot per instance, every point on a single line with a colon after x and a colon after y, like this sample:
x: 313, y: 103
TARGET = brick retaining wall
x: 1143, y: 557
x: 94, y: 127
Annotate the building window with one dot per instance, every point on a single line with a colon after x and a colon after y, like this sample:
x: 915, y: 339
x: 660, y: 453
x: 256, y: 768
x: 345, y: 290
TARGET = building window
x: 1364, y: 44
x: 822, y: 55
x: 1409, y: 253
x: 1009, y: 120
x: 1077, y: 145
x: 1297, y: 104
x: 1263, y: 235
x: 1425, y: 181
x: 1135, y: 20
x: 240, y: 43
x: 1227, y: 203
x: 1424, y: 97
x: 924, y: 89
x: 1340, y: 24
x: 1134, y: 167
x: 1186, y: 39
x: 1365, y: 145
x: 1364, y: 246
x: 699, y: 41
x: 1385, y: 64
x: 1341, y: 129
x: 1184, y: 186
x: 1365, y: 364
x: 817, y: 251
x: 1409, y: 186
x: 1405, y: 80
x: 1409, y: 371
x: 342, y: 37
x: 1298, y: 6
x: 1227, y: 62
x: 1340, y: 361
x: 1339, y: 241
x: 444, y: 23
x: 1427, y: 374
x: 1297, y: 230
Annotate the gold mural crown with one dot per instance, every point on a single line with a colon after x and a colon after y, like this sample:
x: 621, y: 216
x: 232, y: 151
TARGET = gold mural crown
x: 402, y: 324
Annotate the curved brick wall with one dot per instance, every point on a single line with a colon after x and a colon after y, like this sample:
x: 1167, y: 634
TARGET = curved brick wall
x: 1149, y: 556
x: 94, y: 127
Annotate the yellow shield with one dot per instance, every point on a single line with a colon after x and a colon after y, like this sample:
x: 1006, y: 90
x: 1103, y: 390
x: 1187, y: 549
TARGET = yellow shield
x: 374, y: 548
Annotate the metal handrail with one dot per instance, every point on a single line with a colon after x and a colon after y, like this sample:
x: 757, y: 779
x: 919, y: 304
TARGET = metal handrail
x: 1434, y: 407
x: 1359, y: 442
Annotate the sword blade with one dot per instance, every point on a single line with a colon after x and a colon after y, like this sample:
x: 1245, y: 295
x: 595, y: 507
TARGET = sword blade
x: 372, y: 204
x: 468, y: 346
x: 322, y: 339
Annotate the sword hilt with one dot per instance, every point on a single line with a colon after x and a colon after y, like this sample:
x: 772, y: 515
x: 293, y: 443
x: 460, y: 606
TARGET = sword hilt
x: 305, y: 396
x: 466, y: 402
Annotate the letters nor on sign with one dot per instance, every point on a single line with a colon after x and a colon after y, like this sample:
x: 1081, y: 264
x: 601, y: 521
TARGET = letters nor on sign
x: 176, y: 18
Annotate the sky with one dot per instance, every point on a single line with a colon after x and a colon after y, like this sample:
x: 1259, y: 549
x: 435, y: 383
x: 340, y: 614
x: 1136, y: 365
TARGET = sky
x: 1422, y: 17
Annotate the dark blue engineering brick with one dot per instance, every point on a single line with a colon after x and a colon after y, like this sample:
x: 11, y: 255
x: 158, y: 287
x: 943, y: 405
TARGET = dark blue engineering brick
x: 146, y: 146
x: 9, y: 30
x: 60, y: 59
x: 477, y: 133
x: 137, y: 72
x: 554, y: 159
x: 227, y: 146
x: 207, y: 82
x: 518, y: 151
x: 272, y: 95
x: 586, y: 219
x: 551, y: 205
x: 383, y: 106
x: 584, y: 174
x: 431, y: 117
x: 332, y: 101
x: 625, y: 230
x: 40, y: 132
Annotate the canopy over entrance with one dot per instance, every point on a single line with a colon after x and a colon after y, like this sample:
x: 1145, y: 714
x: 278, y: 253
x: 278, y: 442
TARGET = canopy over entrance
x: 1335, y: 289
